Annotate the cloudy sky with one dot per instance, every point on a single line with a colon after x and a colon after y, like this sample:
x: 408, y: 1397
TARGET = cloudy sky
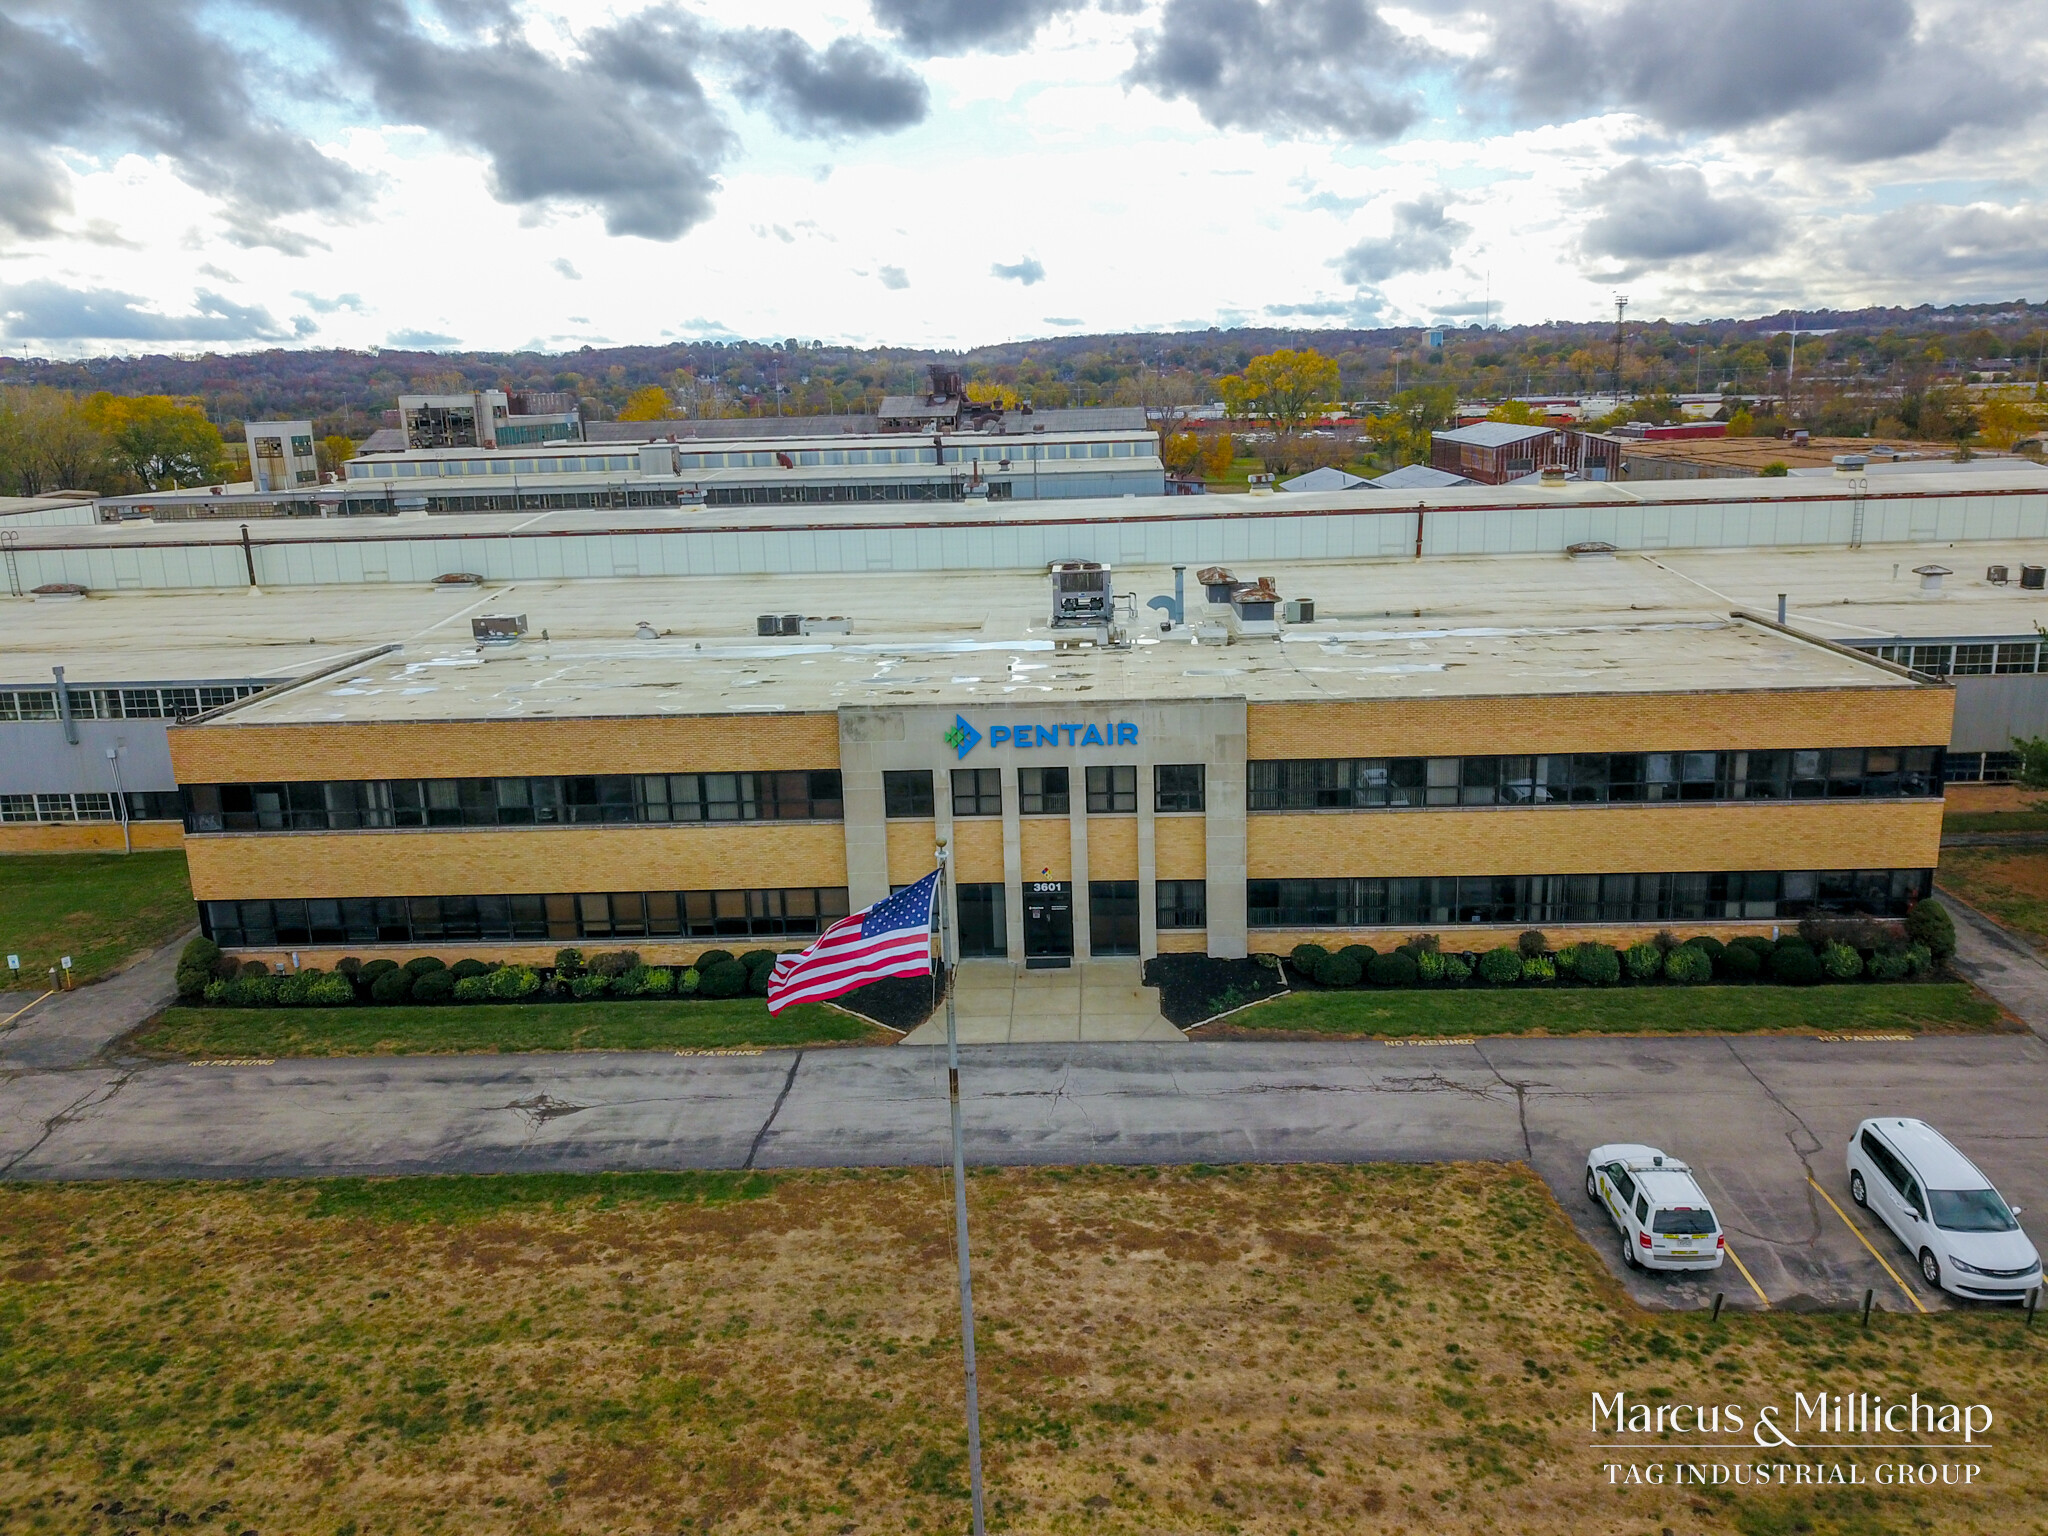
x: 176, y: 174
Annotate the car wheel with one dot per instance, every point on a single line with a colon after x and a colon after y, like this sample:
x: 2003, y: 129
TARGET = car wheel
x: 1628, y: 1252
x: 1592, y: 1189
x: 1857, y: 1192
x: 1930, y: 1268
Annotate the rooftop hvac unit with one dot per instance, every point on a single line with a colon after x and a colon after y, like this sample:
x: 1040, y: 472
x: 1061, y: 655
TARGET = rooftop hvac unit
x: 1081, y: 594
x: 767, y: 624
x: 2033, y: 577
x: 498, y: 628
x: 1299, y: 610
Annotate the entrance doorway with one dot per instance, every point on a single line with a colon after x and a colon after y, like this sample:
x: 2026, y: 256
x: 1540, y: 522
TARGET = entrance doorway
x: 1048, y: 924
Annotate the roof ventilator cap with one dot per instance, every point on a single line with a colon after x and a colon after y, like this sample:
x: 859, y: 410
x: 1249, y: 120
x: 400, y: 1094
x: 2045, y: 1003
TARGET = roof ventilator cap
x: 1930, y: 576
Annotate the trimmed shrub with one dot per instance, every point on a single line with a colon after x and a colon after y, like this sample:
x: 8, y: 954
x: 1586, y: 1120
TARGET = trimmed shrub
x: 513, y: 983
x: 1741, y: 962
x: 724, y: 978
x: 423, y: 964
x: 462, y: 970
x: 292, y: 989
x: 711, y: 957
x: 216, y: 993
x: 256, y: 968
x: 689, y: 981
x: 1430, y: 968
x: 1929, y: 924
x: 1795, y: 965
x: 393, y: 986
x: 1596, y: 964
x: 1457, y: 970
x: 658, y: 982
x: 472, y: 989
x: 569, y: 963
x: 1708, y: 945
x: 589, y: 985
x: 1919, y: 960
x: 433, y: 986
x: 1539, y: 970
x: 1644, y: 961
x: 1338, y: 970
x: 1394, y: 970
x: 1793, y: 941
x: 350, y: 966
x: 757, y: 957
x: 1306, y: 957
x: 251, y: 992
x: 757, y: 979
x: 336, y: 991
x: 1362, y: 953
x: 1890, y: 965
x: 1841, y: 962
x: 195, y: 966
x: 1500, y: 967
x: 368, y: 975
x: 1688, y: 966
x: 1531, y: 943
x: 615, y: 963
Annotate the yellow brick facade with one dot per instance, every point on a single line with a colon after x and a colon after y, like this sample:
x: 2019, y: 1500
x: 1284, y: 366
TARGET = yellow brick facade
x: 1879, y: 716
x: 978, y: 850
x: 1597, y: 839
x: 87, y: 836
x: 457, y: 749
x: 1045, y: 848
x: 518, y: 860
x: 1112, y: 847
x: 912, y: 846
x: 1180, y: 848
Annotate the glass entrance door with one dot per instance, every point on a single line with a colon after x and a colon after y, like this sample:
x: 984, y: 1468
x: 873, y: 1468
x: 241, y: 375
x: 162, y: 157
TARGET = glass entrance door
x: 1048, y: 923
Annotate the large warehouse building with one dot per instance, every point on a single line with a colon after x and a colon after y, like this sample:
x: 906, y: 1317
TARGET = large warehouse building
x: 1348, y: 775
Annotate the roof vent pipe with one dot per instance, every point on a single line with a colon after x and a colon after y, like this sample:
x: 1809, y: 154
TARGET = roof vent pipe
x: 1930, y: 576
x: 1781, y: 608
x: 64, y: 707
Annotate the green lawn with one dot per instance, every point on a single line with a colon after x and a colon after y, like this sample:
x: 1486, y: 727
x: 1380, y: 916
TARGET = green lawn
x: 204, y: 1033
x: 1659, y: 1010
x: 2009, y: 885
x: 1995, y: 821
x: 101, y: 909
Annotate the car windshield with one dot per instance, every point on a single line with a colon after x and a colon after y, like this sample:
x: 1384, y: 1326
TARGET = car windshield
x: 1970, y: 1210
x: 1686, y: 1221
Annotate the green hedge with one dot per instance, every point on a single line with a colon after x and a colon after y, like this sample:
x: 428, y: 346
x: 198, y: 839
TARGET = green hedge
x: 1662, y: 962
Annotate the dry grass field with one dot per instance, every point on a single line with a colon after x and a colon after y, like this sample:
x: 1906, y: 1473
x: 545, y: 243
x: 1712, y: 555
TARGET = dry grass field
x: 1256, y: 1350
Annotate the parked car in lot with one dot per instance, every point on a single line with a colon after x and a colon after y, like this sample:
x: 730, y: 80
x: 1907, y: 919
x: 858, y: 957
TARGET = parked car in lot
x: 1960, y: 1231
x: 1663, y: 1215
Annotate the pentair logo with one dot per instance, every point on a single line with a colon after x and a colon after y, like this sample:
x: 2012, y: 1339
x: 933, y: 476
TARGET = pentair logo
x: 962, y: 738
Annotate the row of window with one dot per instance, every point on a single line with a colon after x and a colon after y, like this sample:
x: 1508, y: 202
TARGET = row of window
x: 1981, y: 767
x: 1981, y: 658
x: 798, y: 913
x: 1111, y: 789
x: 122, y: 703
x: 1593, y: 778
x: 348, y: 804
x: 1655, y: 898
x: 143, y: 805
x: 613, y: 463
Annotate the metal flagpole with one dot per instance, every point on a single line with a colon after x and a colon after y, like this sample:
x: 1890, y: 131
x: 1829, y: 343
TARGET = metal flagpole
x: 960, y: 1198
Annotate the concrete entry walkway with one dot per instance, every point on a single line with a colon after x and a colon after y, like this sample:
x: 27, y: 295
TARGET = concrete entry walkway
x: 1003, y: 1004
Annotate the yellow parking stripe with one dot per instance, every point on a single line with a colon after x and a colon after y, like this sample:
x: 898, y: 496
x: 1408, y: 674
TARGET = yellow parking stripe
x: 1760, y: 1296
x: 1918, y: 1306
x: 20, y: 1011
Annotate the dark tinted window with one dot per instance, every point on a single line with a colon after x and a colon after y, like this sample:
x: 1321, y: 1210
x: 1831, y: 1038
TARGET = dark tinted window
x: 1178, y: 787
x: 1183, y: 903
x: 1695, y: 1222
x: 907, y: 792
x: 1112, y: 791
x: 977, y: 792
x: 1970, y: 1210
x: 1041, y: 791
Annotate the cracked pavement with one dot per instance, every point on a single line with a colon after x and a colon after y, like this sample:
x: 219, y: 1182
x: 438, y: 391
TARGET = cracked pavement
x: 1754, y: 1116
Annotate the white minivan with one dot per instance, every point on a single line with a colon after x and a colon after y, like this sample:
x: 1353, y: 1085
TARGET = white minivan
x: 1660, y: 1209
x: 1957, y: 1227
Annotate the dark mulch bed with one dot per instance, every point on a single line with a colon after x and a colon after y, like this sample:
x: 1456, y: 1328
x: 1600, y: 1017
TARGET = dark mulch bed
x: 901, y: 1002
x: 1197, y: 987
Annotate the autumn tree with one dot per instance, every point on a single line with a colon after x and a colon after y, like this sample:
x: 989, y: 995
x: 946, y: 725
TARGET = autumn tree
x: 650, y: 402
x: 333, y: 451
x: 163, y: 442
x: 48, y: 442
x: 1286, y: 388
x: 1519, y: 413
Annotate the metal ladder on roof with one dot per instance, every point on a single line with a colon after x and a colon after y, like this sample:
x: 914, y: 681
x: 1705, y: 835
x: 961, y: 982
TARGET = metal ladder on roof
x: 8, y: 539
x: 1861, y: 487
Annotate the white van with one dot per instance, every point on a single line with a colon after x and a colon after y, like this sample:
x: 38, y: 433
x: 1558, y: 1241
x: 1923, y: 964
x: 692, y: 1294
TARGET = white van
x: 1653, y: 1199
x: 1960, y: 1232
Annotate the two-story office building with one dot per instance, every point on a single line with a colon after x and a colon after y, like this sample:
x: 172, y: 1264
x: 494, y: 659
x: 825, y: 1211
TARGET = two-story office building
x: 1342, y: 779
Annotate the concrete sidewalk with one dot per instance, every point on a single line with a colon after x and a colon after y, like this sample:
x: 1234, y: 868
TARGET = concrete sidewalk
x: 2000, y: 962
x: 998, y: 1003
x: 70, y: 1028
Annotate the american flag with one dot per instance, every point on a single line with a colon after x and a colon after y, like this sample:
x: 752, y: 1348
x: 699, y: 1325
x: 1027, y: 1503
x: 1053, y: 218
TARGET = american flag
x: 890, y: 938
